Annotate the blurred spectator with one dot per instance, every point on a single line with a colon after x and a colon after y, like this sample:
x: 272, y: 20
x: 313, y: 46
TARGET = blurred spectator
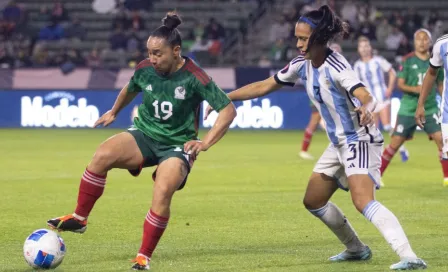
x: 214, y: 30
x: 22, y: 58
x: 264, y: 62
x: 59, y: 13
x: 43, y: 15
x: 201, y: 44
x: 6, y: 28
x: 74, y: 56
x: 136, y: 21
x: 280, y: 30
x: 134, y: 43
x: 278, y: 51
x: 118, y: 40
x: 197, y: 31
x: 75, y: 30
x: 6, y: 60
x: 394, y: 39
x: 52, y: 32
x: 138, y: 4
x: 349, y: 13
x: 135, y: 58
x: 368, y: 30
x: 121, y: 21
x: 41, y: 57
x: 404, y: 48
x: 432, y: 19
x: 413, y: 21
x: 383, y: 30
x: 93, y: 60
x: 12, y: 13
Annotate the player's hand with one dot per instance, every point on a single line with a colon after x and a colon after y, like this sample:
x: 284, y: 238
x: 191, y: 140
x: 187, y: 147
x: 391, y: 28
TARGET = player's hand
x: 366, y: 116
x: 389, y: 93
x: 106, y: 119
x: 420, y: 116
x: 208, y: 111
x: 194, y: 147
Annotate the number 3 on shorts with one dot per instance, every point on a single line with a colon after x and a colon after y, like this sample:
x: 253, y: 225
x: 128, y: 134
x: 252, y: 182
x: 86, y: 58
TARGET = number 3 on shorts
x: 352, y: 149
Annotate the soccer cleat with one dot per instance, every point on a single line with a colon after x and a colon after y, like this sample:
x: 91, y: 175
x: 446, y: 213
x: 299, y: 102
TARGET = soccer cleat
x: 404, y: 155
x: 306, y: 156
x: 140, y: 263
x: 68, y: 223
x: 363, y: 255
x: 445, y: 182
x: 415, y: 264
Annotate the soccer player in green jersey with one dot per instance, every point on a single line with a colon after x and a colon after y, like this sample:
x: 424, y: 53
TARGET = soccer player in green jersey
x: 164, y: 134
x: 410, y: 79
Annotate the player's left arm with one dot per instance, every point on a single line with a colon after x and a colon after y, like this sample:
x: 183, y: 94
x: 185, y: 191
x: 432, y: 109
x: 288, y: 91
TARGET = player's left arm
x: 226, y: 113
x: 435, y: 62
x: 348, y: 80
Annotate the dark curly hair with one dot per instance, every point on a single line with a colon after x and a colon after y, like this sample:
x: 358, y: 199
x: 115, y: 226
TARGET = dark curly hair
x: 325, y: 24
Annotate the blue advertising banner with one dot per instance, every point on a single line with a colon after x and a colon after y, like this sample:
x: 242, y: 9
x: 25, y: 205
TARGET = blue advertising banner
x: 285, y: 109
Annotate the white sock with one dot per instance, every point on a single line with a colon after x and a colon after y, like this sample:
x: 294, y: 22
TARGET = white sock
x: 332, y: 216
x: 79, y: 217
x: 386, y: 222
x: 402, y: 148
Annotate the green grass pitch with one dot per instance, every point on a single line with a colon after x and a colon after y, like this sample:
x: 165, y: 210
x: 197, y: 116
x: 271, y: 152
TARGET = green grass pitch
x: 240, y: 211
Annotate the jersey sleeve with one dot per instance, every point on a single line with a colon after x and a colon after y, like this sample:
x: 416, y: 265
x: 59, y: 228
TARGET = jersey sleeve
x: 211, y: 93
x: 403, y: 70
x: 348, y: 79
x: 384, y: 64
x: 436, y: 60
x: 133, y: 87
x: 290, y: 74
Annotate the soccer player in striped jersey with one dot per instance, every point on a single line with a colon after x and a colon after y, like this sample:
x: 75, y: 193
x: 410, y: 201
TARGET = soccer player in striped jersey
x: 370, y: 70
x: 353, y: 157
x: 164, y: 134
x: 315, y: 119
x: 438, y: 59
x: 410, y: 80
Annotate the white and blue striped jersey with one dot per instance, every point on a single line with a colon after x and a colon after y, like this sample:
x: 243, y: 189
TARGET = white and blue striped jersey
x: 330, y: 87
x: 371, y: 73
x: 438, y: 59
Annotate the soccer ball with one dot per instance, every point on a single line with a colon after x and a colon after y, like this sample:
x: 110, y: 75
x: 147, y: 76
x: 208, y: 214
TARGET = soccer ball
x: 44, y: 249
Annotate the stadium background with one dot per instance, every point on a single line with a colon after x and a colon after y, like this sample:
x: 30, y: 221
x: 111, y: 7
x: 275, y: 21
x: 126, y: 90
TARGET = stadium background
x: 88, y: 49
x: 62, y: 64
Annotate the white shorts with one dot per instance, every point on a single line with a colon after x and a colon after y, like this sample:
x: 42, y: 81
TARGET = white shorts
x: 444, y: 128
x: 354, y: 158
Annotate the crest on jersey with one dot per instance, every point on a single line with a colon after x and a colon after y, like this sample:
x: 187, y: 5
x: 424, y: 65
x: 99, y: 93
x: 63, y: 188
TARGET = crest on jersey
x: 179, y: 93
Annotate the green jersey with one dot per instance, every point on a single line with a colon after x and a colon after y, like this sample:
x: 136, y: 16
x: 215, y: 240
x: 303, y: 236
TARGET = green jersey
x: 413, y: 71
x: 169, y: 113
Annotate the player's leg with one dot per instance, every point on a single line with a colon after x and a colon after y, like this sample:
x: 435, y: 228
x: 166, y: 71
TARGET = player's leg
x: 384, y: 116
x: 119, y: 151
x: 403, y: 131
x: 308, y: 135
x: 322, y: 184
x: 433, y: 129
x: 362, y: 180
x: 171, y: 173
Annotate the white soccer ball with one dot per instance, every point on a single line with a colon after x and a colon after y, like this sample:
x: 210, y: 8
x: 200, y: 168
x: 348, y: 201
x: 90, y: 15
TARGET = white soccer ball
x: 44, y: 249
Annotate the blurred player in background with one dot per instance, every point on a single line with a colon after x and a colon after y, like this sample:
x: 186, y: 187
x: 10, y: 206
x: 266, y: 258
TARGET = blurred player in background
x: 315, y: 119
x: 353, y: 158
x: 410, y: 79
x: 371, y: 69
x: 423, y: 114
x: 164, y: 134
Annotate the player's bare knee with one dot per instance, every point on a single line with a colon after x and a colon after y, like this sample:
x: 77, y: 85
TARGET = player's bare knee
x: 103, y: 158
x: 360, y: 203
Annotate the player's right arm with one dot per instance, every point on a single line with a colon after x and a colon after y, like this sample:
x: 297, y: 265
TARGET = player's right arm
x: 402, y: 75
x: 126, y: 95
x: 435, y: 62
